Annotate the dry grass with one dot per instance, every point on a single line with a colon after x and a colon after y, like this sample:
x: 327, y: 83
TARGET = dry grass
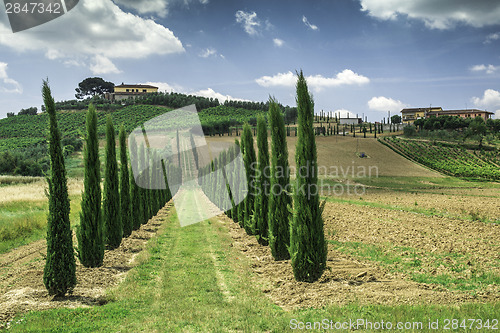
x: 35, y: 190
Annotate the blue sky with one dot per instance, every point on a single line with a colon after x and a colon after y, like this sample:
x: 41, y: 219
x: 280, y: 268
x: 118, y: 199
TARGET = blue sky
x: 363, y: 56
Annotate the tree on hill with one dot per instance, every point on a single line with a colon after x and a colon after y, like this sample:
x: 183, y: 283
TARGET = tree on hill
x: 59, y: 274
x: 93, y: 86
x: 396, y: 119
x: 28, y: 112
x: 90, y: 233
x: 308, y: 248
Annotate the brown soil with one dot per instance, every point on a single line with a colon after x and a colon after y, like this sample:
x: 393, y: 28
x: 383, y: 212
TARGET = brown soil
x: 21, y: 274
x: 337, y: 155
x: 348, y: 280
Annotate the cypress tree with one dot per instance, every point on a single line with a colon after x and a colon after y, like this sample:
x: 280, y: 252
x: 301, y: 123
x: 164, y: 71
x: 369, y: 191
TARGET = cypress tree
x: 250, y: 160
x: 263, y: 184
x: 135, y: 198
x: 111, y: 203
x: 236, y: 182
x: 90, y: 233
x: 143, y: 192
x: 126, y: 209
x: 279, y: 198
x: 308, y: 248
x: 241, y: 205
x: 59, y: 275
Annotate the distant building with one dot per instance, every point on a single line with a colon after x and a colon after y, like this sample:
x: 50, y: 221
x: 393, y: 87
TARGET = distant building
x: 469, y: 113
x: 350, y: 121
x: 125, y: 91
x: 410, y: 115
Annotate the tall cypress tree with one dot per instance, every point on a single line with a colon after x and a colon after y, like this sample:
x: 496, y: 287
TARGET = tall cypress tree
x: 250, y: 160
x: 263, y: 184
x: 90, y: 232
x: 111, y: 203
x: 144, y: 192
x: 125, y: 207
x: 308, y: 248
x: 241, y: 206
x: 59, y: 275
x: 279, y: 199
x: 236, y: 176
x: 135, y: 194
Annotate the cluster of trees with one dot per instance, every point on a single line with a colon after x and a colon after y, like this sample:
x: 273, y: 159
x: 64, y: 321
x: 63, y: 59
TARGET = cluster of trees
x: 284, y: 216
x: 455, y: 128
x: 32, y: 111
x: 103, y: 221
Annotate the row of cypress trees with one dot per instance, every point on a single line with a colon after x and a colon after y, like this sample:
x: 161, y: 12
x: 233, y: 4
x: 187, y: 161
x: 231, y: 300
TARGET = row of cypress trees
x: 287, y: 218
x: 125, y: 206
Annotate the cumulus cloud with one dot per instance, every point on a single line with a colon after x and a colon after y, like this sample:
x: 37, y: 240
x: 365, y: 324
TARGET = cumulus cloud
x: 308, y: 24
x: 146, y: 6
x: 278, y: 42
x: 489, y: 101
x: 102, y: 65
x: 442, y: 14
x: 95, y: 28
x: 9, y: 85
x: 488, y: 69
x: 382, y: 103
x: 209, y: 92
x: 249, y: 21
x: 317, y: 82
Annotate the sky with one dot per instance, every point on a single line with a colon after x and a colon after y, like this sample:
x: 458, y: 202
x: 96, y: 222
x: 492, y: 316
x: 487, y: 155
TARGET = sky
x: 366, y: 57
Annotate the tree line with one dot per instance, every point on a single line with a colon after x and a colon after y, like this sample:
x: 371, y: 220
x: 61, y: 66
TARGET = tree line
x: 106, y: 218
x: 284, y: 216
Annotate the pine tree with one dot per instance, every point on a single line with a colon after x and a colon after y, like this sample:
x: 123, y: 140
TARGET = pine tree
x: 261, y: 202
x: 125, y: 207
x: 90, y: 232
x: 111, y: 202
x: 279, y: 198
x: 250, y: 160
x: 135, y: 194
x: 59, y: 275
x: 308, y: 248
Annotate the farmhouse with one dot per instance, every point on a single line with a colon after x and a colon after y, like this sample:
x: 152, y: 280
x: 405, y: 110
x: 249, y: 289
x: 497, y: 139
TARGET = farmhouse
x: 350, y: 121
x: 124, y: 91
x: 410, y: 115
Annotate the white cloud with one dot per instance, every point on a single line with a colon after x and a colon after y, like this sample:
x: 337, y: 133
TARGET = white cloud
x: 489, y: 101
x: 382, y: 103
x: 95, y: 28
x: 146, y: 6
x: 343, y: 113
x: 308, y: 24
x: 442, y: 14
x: 102, y: 65
x: 249, y: 21
x: 490, y: 69
x: 209, y: 92
x: 10, y: 85
x: 492, y: 37
x: 317, y: 82
x: 278, y: 42
x: 208, y: 52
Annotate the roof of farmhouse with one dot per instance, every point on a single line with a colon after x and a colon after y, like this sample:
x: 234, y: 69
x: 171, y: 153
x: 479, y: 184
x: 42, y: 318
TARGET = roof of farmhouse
x: 135, y: 86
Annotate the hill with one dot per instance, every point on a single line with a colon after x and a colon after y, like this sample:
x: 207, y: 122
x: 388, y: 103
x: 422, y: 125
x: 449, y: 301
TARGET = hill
x: 23, y: 131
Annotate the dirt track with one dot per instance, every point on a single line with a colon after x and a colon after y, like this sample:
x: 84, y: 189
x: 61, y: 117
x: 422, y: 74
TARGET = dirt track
x: 21, y: 274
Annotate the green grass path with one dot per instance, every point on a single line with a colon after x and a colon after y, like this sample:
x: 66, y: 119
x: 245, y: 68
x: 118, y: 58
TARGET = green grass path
x: 191, y: 280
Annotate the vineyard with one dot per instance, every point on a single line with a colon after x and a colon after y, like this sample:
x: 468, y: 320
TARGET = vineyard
x: 454, y: 161
x: 24, y: 131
